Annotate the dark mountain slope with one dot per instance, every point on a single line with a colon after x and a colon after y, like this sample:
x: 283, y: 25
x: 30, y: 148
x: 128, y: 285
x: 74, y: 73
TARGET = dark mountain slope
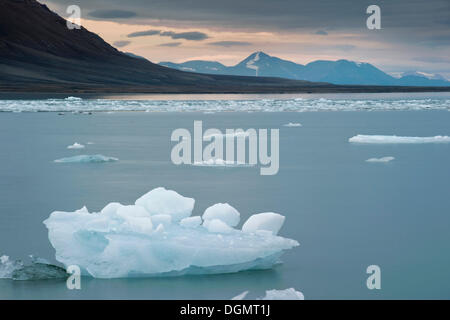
x: 39, y: 53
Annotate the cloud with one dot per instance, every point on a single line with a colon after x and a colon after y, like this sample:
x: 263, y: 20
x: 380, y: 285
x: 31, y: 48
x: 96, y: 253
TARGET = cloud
x: 120, y: 44
x: 345, y: 47
x: 170, y: 44
x: 321, y: 33
x: 433, y: 59
x: 194, y: 35
x: 112, y: 14
x: 229, y: 43
x: 144, y: 33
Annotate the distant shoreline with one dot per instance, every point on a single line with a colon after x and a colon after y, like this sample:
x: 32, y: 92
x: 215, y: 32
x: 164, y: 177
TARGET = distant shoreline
x: 95, y: 91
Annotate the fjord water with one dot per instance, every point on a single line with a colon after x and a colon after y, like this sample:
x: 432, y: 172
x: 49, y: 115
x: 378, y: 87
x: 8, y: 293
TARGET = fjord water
x: 346, y: 213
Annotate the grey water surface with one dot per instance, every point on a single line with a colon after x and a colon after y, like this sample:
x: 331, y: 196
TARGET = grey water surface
x: 346, y: 213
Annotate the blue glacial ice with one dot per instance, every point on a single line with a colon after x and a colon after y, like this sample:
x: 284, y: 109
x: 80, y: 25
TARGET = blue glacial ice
x: 157, y: 236
x: 86, y: 158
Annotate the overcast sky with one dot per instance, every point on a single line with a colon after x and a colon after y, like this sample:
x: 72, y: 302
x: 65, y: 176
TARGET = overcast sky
x: 415, y: 34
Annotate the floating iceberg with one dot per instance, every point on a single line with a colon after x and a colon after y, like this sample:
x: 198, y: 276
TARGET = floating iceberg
x: 383, y: 159
x: 38, y: 269
x: 136, y: 241
x: 76, y: 145
x: 96, y: 158
x: 377, y: 139
x: 288, y: 294
x: 292, y: 125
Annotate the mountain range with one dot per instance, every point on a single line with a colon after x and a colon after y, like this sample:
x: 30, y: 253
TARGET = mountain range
x: 342, y: 72
x: 40, y: 54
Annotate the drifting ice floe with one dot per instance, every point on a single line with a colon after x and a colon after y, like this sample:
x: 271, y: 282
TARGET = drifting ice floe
x: 221, y: 163
x: 96, y: 158
x: 76, y: 145
x: 377, y: 139
x: 38, y: 269
x: 383, y: 159
x: 131, y: 241
x: 292, y: 125
x: 288, y: 294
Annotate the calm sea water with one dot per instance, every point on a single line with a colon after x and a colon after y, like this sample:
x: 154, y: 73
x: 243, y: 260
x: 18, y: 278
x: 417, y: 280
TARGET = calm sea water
x: 346, y: 213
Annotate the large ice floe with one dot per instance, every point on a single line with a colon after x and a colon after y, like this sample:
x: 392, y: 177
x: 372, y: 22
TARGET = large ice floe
x: 379, y: 139
x: 157, y: 236
x: 87, y: 158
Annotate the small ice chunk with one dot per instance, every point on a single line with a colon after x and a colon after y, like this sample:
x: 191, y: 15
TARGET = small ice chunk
x: 223, y: 212
x: 162, y: 219
x: 292, y: 125
x: 288, y: 294
x: 267, y: 221
x: 383, y: 159
x: 218, y: 226
x: 240, y: 296
x: 132, y: 211
x: 221, y: 163
x: 76, y: 145
x: 191, y: 222
x: 136, y: 219
x: 82, y: 210
x: 111, y: 208
x: 162, y: 201
x: 96, y: 158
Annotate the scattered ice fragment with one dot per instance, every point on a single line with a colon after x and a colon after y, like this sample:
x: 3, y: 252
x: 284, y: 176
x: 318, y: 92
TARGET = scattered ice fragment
x: 73, y: 99
x: 267, y: 221
x: 76, y: 145
x: 378, y: 139
x: 123, y: 241
x: 383, y: 159
x: 217, y: 226
x: 221, y: 163
x: 288, y: 294
x: 240, y: 296
x: 191, y: 222
x: 96, y: 158
x: 223, y: 212
x: 279, y: 104
x: 162, y: 201
x: 292, y: 125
